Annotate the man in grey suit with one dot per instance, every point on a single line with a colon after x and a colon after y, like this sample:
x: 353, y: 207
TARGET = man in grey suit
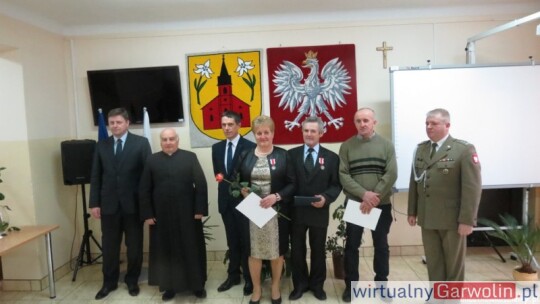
x: 116, y: 171
x: 444, y: 194
x: 316, y: 170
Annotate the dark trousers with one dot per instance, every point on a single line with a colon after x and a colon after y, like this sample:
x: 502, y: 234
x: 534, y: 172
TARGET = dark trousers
x: 317, y: 239
x: 237, y: 234
x: 380, y: 242
x: 113, y: 226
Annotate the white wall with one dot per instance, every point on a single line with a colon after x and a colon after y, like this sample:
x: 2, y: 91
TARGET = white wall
x: 35, y: 117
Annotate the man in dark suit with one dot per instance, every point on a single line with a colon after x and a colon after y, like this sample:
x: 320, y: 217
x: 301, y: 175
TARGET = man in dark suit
x: 444, y: 195
x: 224, y: 158
x: 118, y: 164
x: 317, y: 176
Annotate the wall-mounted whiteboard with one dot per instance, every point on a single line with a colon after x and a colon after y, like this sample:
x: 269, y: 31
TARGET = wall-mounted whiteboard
x: 495, y: 108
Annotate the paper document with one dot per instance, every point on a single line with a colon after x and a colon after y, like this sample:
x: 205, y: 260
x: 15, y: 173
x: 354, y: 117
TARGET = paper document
x: 251, y: 208
x: 353, y: 215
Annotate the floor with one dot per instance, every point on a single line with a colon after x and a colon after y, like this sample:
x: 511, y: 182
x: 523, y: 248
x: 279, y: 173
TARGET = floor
x: 482, y: 265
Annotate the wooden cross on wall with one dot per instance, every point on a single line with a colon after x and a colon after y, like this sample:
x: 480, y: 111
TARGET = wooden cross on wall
x: 384, y: 49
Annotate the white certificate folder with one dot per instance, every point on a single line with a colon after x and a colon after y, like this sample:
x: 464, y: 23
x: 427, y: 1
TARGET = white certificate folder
x: 353, y: 215
x: 251, y: 208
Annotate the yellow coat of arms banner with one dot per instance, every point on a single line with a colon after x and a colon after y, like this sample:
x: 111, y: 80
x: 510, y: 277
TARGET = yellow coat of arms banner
x: 219, y: 82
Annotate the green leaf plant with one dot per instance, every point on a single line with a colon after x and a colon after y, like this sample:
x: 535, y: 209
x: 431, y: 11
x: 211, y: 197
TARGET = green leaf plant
x: 522, y: 239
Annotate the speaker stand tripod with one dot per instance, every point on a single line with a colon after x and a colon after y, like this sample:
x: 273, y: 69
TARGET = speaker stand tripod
x: 85, y: 244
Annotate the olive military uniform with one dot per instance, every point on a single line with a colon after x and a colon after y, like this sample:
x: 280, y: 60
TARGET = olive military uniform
x: 444, y: 191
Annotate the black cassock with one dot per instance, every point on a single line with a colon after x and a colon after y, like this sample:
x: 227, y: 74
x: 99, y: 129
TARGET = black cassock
x: 172, y: 190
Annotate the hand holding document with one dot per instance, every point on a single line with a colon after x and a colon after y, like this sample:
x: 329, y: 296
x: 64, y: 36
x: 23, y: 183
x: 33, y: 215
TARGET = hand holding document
x: 251, y: 208
x: 353, y: 215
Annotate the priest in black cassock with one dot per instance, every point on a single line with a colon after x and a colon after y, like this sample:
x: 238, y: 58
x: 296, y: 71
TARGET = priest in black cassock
x: 173, y: 200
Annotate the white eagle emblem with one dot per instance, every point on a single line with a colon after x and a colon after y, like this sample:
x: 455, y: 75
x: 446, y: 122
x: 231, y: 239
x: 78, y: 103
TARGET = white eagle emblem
x: 312, y: 96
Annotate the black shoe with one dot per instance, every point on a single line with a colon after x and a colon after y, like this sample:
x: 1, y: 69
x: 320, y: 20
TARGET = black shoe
x: 229, y: 282
x: 319, y: 294
x: 104, y: 291
x: 201, y: 294
x: 168, y: 295
x: 248, y: 288
x: 276, y: 301
x: 297, y: 293
x: 346, y: 297
x: 133, y: 290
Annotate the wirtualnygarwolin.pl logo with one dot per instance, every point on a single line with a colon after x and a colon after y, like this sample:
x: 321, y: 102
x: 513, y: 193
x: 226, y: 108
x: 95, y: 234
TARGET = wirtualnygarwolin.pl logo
x: 445, y: 292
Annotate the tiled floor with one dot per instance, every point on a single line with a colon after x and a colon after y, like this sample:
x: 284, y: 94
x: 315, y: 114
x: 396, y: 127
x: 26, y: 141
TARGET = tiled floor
x: 482, y: 265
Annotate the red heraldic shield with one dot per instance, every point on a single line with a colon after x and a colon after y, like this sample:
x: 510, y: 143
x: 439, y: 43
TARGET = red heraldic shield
x: 312, y: 81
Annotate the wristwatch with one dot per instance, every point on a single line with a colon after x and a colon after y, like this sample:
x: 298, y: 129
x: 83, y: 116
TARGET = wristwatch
x: 278, y: 197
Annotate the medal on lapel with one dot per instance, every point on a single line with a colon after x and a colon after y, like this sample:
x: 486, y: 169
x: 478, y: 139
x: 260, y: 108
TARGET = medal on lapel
x: 273, y: 163
x: 321, y: 162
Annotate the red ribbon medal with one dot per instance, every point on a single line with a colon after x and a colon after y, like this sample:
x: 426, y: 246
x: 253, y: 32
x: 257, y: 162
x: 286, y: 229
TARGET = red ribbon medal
x: 273, y: 163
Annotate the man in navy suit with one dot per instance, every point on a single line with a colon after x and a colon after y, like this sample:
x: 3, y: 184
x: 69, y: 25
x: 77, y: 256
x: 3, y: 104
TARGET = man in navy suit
x: 116, y: 171
x: 317, y: 176
x: 224, y: 158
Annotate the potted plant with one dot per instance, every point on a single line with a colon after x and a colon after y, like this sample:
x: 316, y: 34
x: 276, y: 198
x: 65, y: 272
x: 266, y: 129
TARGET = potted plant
x: 4, y: 217
x: 335, y: 244
x: 522, y: 239
x: 206, y: 230
x: 1, y: 194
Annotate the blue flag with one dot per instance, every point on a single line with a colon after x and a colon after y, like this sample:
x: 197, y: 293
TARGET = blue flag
x: 102, y: 127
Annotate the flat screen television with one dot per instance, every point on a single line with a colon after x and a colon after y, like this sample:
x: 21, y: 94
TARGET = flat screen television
x: 156, y: 88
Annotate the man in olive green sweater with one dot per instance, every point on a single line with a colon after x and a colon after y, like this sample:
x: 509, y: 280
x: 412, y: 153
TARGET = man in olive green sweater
x: 367, y: 172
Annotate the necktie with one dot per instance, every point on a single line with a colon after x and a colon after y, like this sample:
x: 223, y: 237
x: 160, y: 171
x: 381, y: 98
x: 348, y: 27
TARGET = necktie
x: 308, y: 164
x: 433, y: 150
x: 229, y: 158
x: 118, y: 148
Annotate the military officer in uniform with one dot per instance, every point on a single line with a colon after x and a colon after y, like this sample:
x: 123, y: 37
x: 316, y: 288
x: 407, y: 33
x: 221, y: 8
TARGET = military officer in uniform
x: 444, y: 194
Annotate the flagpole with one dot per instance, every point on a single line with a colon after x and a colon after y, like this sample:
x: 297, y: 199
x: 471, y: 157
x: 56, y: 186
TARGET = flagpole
x: 146, y: 126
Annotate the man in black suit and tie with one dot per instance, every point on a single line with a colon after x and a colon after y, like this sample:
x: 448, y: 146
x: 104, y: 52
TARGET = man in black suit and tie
x: 118, y: 164
x: 224, y: 158
x: 317, y: 176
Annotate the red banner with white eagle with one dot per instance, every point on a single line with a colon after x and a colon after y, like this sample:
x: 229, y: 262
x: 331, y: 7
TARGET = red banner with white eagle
x: 312, y: 81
